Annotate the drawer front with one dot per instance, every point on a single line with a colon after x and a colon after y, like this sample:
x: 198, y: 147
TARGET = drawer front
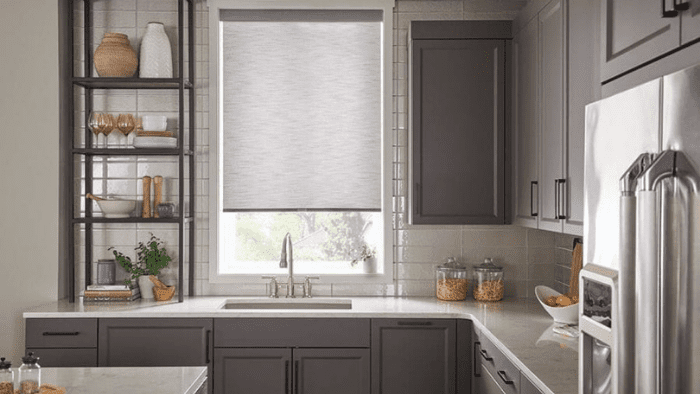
x: 61, y: 333
x: 274, y: 332
x: 65, y: 357
x: 500, y: 367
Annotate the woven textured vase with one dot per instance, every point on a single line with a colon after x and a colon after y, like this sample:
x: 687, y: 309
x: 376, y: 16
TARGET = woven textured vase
x: 156, y: 55
x: 115, y: 57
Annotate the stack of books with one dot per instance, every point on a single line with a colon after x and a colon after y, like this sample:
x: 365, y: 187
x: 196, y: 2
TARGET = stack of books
x: 110, y: 293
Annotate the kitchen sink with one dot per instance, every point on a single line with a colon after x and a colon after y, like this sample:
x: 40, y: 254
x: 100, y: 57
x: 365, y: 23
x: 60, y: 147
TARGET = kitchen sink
x: 289, y: 303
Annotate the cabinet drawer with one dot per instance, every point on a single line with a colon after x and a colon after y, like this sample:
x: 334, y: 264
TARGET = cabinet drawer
x: 65, y: 357
x: 275, y: 332
x: 61, y: 333
x: 502, y: 369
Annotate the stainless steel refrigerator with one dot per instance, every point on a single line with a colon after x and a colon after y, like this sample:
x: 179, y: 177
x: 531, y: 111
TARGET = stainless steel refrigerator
x: 642, y: 219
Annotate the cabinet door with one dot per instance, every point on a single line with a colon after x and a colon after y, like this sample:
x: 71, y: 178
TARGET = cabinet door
x: 487, y: 384
x: 154, y: 342
x: 634, y: 32
x: 690, y: 22
x: 337, y: 371
x: 526, y: 126
x: 458, y: 132
x: 252, y: 371
x: 527, y: 387
x: 552, y: 103
x: 413, y: 356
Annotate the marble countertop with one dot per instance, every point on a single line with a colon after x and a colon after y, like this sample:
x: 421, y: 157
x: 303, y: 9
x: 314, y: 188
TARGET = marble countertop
x: 520, y: 328
x: 133, y: 380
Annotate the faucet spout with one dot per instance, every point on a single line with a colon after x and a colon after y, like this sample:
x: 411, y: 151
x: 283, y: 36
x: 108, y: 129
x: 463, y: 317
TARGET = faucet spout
x: 288, y: 263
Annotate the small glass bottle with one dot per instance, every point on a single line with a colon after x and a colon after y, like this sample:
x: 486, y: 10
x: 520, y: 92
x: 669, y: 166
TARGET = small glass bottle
x: 29, y: 374
x: 488, y: 282
x: 7, y: 377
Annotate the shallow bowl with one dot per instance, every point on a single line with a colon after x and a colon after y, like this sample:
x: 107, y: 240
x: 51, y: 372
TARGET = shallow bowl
x: 562, y: 314
x: 115, y: 208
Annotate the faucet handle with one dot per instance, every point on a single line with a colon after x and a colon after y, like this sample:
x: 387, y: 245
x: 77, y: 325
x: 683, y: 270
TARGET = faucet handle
x: 307, y: 285
x: 273, y: 285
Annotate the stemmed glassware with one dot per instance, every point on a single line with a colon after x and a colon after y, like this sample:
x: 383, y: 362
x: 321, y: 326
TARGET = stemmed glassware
x: 126, y: 124
x: 96, y: 127
x: 108, y: 123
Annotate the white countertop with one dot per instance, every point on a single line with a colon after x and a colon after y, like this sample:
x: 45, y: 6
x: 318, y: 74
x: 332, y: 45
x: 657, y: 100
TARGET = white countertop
x: 520, y: 328
x: 132, y: 380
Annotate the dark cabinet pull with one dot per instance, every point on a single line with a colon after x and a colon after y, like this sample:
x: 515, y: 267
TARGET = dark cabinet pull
x: 680, y: 6
x: 415, y: 323
x: 556, y: 199
x: 57, y: 333
x: 485, y: 355
x: 286, y: 377
x: 532, y: 200
x: 560, y: 198
x: 207, y: 355
x: 296, y: 377
x: 668, y: 13
x: 505, y: 379
x: 476, y: 360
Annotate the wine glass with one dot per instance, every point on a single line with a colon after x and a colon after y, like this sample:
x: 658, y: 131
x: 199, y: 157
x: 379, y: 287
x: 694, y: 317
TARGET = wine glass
x: 125, y: 124
x: 109, y: 123
x: 94, y: 126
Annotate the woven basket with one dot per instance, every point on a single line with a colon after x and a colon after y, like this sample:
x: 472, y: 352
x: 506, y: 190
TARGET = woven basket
x: 163, y: 293
x: 115, y: 57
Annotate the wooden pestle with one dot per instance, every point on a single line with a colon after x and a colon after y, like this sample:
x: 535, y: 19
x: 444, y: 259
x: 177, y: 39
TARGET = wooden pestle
x: 146, y: 212
x: 158, y: 190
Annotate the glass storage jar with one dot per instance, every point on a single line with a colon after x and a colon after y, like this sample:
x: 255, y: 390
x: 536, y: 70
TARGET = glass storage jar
x: 452, y: 280
x: 7, y: 377
x: 29, y: 374
x: 488, y: 281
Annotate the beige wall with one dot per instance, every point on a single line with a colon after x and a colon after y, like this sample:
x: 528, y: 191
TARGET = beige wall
x: 28, y: 164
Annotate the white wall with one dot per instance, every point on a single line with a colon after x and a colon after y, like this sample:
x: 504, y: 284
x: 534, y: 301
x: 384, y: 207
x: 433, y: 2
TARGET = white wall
x: 28, y: 164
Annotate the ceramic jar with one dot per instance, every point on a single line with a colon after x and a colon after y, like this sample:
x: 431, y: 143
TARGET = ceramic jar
x: 146, y: 287
x: 156, y: 55
x: 114, y: 56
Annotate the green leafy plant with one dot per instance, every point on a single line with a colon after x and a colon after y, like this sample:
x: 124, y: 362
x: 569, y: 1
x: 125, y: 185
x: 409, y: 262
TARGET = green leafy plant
x: 151, y: 259
x: 363, y: 254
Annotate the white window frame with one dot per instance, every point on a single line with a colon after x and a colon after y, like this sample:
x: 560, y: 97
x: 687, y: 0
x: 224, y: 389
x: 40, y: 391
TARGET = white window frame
x: 215, y: 125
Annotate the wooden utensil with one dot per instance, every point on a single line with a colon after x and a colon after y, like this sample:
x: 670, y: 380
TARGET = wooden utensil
x: 93, y: 197
x: 158, y: 190
x: 146, y: 211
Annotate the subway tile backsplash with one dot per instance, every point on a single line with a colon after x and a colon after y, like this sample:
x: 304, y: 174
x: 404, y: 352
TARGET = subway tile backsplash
x: 530, y: 257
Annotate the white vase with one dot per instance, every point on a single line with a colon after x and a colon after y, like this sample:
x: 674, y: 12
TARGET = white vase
x: 156, y: 57
x: 369, y: 266
x: 146, y: 287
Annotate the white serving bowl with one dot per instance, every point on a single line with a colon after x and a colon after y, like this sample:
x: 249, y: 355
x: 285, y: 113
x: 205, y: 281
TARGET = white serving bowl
x: 154, y: 122
x: 562, y: 314
x: 115, y: 208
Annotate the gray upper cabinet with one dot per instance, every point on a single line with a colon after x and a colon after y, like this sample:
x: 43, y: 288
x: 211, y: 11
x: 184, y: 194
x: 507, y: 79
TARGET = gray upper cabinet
x: 636, y: 32
x: 413, y: 356
x: 459, y: 112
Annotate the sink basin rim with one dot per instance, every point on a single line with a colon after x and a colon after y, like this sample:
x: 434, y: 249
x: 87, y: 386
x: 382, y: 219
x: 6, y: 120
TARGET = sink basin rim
x: 287, y: 304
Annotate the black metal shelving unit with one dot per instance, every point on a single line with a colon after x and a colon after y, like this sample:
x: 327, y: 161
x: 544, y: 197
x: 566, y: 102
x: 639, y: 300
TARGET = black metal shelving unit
x: 184, y: 153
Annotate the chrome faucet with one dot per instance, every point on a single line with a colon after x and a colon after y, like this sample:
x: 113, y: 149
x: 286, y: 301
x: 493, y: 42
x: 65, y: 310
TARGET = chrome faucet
x: 284, y: 263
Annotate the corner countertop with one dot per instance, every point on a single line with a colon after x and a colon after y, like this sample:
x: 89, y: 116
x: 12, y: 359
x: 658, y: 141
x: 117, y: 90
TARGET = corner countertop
x: 520, y: 328
x: 134, y: 380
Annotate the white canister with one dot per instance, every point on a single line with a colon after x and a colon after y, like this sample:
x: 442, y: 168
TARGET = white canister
x: 156, y: 56
x: 146, y: 287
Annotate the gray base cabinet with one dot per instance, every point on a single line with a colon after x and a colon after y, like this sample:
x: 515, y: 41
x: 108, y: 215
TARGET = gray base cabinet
x: 337, y: 371
x: 252, y: 371
x: 413, y: 356
x: 62, y: 342
x: 493, y: 371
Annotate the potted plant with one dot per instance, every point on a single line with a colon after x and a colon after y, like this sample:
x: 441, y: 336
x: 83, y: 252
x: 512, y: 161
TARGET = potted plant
x: 151, y: 259
x: 367, y: 256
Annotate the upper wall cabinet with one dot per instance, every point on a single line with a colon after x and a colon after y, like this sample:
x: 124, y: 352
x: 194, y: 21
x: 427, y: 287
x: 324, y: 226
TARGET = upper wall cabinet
x: 638, y: 31
x: 554, y: 78
x: 459, y: 106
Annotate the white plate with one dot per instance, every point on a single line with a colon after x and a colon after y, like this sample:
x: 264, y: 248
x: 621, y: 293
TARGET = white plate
x: 155, y: 142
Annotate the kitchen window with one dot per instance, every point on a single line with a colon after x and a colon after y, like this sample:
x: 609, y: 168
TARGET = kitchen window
x: 301, y: 143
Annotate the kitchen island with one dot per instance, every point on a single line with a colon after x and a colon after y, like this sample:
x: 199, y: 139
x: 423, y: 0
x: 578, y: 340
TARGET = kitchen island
x: 133, y: 380
x: 519, y: 328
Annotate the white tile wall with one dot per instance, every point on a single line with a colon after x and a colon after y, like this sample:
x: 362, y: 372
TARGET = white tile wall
x: 528, y: 256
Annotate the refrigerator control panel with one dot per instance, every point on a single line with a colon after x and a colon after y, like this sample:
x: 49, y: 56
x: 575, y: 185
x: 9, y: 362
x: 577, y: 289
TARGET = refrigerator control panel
x: 597, y: 302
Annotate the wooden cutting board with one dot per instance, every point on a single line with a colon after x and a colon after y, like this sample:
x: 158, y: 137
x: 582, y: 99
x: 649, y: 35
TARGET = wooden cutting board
x: 576, y: 265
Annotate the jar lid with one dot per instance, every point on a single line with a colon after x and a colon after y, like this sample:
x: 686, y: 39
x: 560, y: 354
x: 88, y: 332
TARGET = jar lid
x: 5, y: 364
x: 30, y: 359
x: 451, y: 265
x: 488, y: 266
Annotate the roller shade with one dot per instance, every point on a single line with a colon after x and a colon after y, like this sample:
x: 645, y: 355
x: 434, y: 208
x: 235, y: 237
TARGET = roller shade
x: 301, y: 110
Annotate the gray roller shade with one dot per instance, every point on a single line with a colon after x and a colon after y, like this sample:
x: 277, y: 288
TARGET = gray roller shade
x: 302, y: 110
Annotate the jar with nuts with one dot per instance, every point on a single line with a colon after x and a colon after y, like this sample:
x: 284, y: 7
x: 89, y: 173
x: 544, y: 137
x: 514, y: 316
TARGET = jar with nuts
x: 488, y: 281
x: 451, y: 281
x: 7, y: 377
x: 29, y: 374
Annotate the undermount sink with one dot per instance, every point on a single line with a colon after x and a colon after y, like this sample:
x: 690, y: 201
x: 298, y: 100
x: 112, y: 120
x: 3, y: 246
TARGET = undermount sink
x: 289, y: 303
